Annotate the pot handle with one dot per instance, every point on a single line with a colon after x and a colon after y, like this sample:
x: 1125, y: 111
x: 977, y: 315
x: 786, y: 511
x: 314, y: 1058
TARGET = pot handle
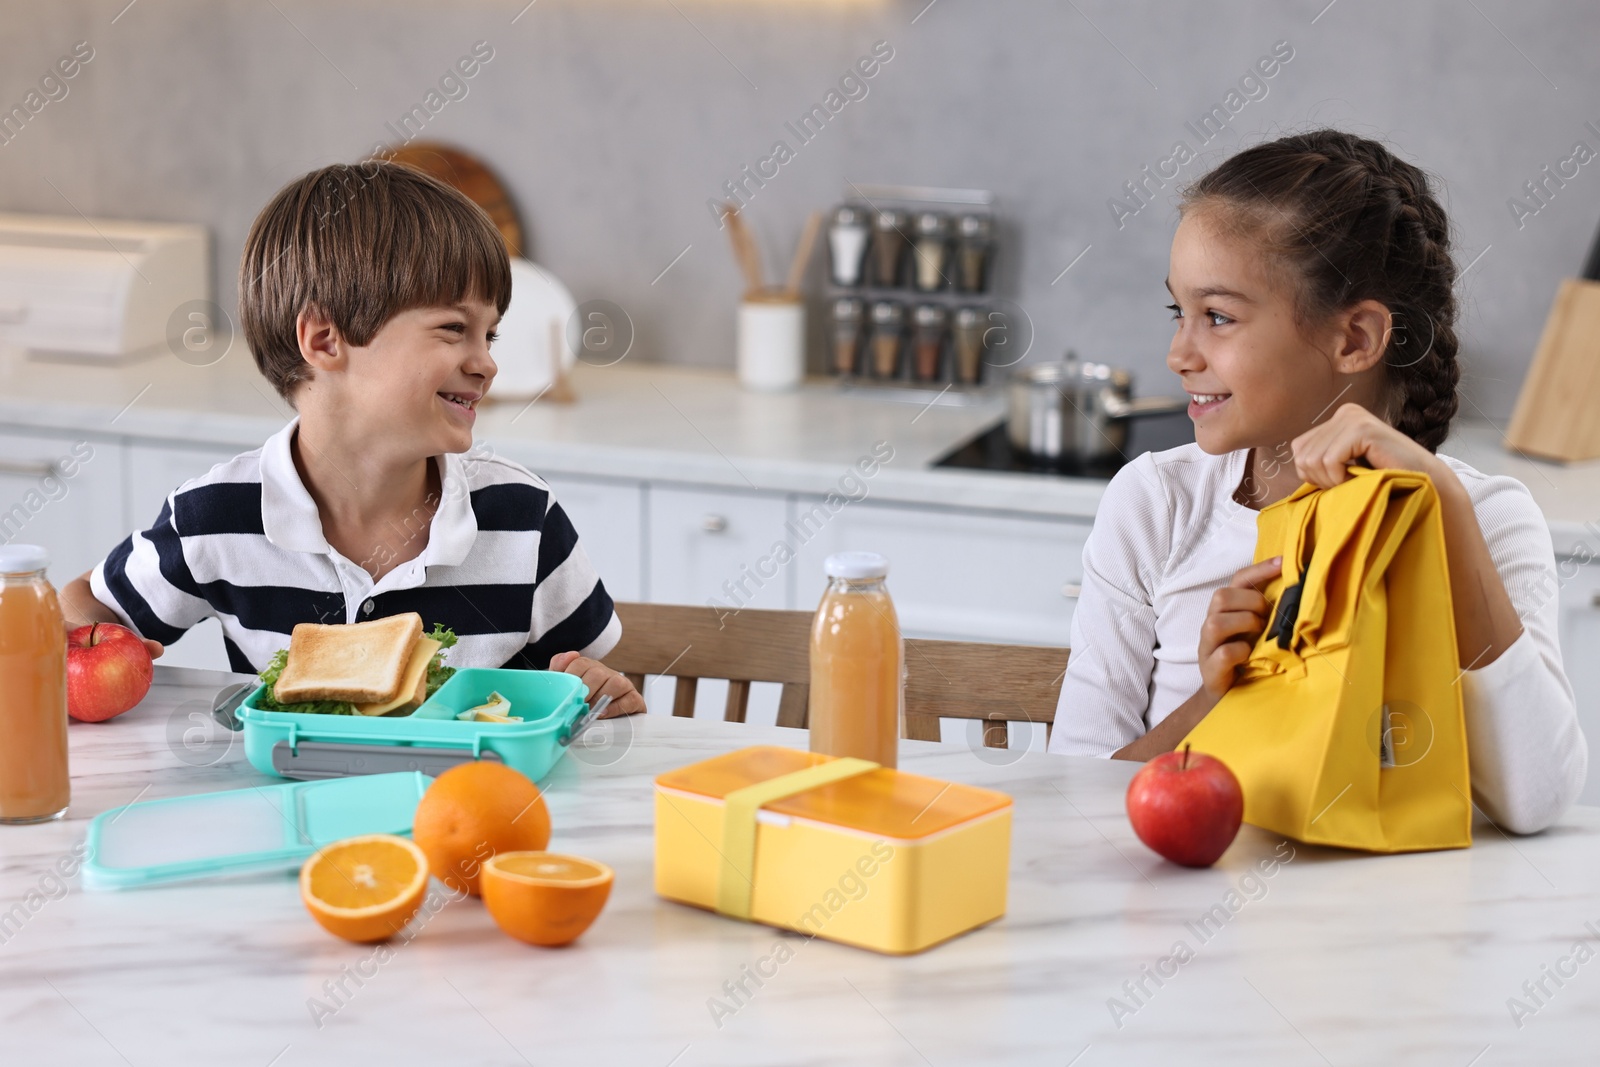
x: 1118, y: 408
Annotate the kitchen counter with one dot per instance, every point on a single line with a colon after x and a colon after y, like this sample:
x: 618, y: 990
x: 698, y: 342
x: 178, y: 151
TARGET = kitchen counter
x: 649, y: 421
x: 1332, y: 958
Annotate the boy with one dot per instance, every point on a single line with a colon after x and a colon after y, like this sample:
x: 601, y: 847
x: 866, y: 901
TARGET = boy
x: 369, y: 296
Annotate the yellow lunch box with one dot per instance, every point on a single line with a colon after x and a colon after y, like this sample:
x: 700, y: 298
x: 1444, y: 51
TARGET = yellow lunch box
x: 833, y: 847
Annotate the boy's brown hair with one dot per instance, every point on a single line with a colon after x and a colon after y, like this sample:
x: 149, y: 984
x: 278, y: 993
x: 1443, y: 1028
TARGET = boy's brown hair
x: 361, y: 243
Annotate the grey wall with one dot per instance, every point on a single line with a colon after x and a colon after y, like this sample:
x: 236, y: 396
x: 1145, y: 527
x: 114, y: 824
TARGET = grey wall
x: 613, y: 121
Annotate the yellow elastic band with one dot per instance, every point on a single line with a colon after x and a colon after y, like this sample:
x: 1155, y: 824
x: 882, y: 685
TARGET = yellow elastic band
x: 736, y: 882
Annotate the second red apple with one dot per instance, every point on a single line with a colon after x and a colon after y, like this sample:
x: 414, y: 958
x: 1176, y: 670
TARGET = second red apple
x: 1186, y: 806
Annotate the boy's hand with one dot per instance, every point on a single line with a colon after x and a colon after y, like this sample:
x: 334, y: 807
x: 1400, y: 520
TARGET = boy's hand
x: 625, y: 699
x: 1235, y: 619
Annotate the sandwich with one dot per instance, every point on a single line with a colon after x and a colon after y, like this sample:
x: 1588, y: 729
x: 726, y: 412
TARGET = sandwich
x: 384, y: 667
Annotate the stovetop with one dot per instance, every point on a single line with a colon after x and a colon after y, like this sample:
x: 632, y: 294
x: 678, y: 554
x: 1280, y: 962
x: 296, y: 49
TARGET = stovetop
x: 992, y: 451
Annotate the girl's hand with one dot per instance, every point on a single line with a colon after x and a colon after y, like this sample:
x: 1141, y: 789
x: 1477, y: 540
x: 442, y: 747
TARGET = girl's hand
x: 625, y: 699
x: 1237, y: 615
x: 1322, y: 453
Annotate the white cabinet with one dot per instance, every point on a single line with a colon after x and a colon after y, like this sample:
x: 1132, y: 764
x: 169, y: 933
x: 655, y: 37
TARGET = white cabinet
x: 954, y: 574
x: 714, y: 544
x: 1580, y: 639
x: 609, y: 518
x: 62, y: 492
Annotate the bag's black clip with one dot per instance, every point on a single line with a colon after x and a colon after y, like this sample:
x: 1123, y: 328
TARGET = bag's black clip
x: 1287, y: 611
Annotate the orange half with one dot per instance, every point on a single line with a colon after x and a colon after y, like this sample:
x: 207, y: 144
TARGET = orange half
x: 365, y: 888
x: 544, y: 898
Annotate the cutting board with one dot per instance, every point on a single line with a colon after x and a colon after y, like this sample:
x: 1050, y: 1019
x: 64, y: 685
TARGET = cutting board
x: 472, y: 177
x: 1555, y: 414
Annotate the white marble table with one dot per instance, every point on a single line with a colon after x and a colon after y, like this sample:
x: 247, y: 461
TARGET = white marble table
x: 1335, y: 958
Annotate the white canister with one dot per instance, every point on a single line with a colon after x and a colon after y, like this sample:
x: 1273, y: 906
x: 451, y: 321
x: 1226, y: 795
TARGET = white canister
x: 771, y: 341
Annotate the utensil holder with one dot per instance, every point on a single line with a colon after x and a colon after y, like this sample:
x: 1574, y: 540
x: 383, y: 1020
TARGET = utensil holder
x: 771, y: 341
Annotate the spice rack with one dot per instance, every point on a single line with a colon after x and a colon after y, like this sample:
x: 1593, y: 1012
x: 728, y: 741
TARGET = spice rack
x: 911, y: 306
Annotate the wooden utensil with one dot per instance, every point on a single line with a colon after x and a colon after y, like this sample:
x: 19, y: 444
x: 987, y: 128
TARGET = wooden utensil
x: 465, y: 172
x: 802, y: 254
x: 745, y: 252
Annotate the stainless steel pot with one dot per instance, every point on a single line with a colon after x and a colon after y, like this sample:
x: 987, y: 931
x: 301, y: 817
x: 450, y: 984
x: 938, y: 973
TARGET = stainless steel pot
x: 1076, y: 411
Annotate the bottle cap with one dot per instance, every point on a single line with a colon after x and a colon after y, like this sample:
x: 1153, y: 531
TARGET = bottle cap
x: 856, y: 566
x: 23, y: 559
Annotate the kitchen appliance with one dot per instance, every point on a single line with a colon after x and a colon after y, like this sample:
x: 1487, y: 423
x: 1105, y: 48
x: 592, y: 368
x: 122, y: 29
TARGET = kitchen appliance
x: 992, y: 451
x: 1076, y: 409
x: 101, y: 290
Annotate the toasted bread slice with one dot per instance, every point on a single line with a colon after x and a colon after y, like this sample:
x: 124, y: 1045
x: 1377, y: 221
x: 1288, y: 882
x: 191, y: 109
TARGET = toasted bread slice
x: 414, y: 687
x: 363, y: 663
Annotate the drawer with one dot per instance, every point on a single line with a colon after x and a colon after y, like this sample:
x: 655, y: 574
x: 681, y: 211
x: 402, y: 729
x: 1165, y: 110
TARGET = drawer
x: 609, y: 518
x: 955, y: 575
x: 64, y: 493
x: 711, y: 544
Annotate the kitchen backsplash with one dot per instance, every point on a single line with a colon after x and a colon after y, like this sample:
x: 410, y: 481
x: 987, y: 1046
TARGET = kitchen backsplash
x: 614, y: 122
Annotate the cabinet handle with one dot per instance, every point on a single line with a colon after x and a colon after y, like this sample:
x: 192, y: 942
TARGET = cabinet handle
x: 714, y: 523
x: 31, y: 470
x: 1072, y: 592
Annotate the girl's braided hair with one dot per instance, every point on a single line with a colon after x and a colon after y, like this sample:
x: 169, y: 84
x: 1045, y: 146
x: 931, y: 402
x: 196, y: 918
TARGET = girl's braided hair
x: 1353, y: 222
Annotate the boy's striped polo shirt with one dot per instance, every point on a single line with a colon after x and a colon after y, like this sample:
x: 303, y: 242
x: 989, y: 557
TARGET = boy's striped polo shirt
x: 502, y: 567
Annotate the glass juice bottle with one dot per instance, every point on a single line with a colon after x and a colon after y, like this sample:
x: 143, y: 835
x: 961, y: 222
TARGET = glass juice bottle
x: 857, y: 681
x: 34, y: 786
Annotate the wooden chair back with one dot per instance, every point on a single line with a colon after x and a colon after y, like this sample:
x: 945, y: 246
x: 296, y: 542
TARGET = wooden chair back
x: 995, y: 684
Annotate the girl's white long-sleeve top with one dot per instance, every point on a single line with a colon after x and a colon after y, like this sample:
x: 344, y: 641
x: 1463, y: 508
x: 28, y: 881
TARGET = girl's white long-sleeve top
x: 1168, y: 533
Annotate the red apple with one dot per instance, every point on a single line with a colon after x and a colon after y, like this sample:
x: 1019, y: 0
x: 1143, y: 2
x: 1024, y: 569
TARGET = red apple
x: 1186, y: 806
x: 108, y: 671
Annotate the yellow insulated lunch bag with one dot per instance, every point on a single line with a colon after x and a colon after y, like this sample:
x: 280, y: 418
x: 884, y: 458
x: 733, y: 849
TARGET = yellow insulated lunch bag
x: 1345, y: 726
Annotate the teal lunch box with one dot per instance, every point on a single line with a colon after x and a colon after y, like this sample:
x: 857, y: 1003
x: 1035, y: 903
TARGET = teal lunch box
x: 430, y: 739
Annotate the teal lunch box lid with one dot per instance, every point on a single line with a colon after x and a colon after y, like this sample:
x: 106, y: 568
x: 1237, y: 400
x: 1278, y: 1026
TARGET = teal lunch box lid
x: 430, y: 739
x: 240, y: 831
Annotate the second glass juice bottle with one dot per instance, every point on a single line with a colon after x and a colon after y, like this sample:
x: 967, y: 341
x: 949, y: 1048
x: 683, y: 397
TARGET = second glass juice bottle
x: 34, y: 785
x: 857, y: 658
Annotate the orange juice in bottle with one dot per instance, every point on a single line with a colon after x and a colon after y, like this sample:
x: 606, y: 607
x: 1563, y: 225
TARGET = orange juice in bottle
x: 34, y: 786
x: 857, y: 684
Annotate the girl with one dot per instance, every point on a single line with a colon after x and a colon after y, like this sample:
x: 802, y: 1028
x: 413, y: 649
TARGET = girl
x: 1314, y: 296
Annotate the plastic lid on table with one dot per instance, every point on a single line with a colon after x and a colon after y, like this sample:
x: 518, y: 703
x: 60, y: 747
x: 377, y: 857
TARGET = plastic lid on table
x: 23, y: 559
x: 882, y: 802
x: 239, y: 831
x: 856, y: 566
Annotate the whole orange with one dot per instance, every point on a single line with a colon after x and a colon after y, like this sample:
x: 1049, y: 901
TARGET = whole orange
x: 473, y: 811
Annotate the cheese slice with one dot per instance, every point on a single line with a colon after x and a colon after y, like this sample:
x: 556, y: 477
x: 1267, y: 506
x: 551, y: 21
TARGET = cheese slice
x: 413, y: 683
